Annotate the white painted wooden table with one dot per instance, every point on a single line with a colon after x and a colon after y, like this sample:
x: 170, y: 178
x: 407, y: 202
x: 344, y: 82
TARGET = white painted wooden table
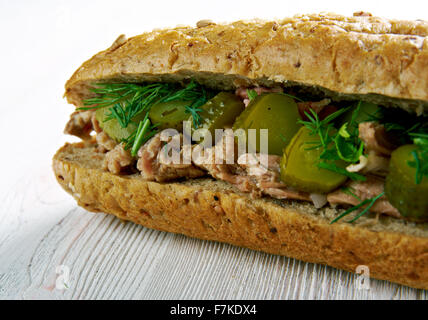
x: 46, y: 240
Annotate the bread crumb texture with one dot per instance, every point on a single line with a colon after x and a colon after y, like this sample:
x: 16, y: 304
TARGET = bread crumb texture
x: 394, y: 250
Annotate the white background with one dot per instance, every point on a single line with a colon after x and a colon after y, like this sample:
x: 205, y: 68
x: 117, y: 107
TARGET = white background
x: 41, y: 44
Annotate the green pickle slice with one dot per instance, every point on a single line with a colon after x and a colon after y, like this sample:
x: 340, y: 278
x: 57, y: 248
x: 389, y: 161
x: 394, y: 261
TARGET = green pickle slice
x: 113, y: 128
x: 169, y: 114
x: 219, y: 112
x: 403, y: 193
x: 273, y: 111
x: 299, y: 168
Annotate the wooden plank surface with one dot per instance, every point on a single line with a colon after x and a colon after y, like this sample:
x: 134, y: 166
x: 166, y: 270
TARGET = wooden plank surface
x: 44, y: 235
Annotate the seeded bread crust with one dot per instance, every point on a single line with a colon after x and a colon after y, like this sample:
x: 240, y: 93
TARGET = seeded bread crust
x: 394, y: 250
x: 360, y: 57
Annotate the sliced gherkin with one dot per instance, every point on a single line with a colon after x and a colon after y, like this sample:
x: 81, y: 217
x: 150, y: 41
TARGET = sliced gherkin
x: 401, y: 189
x: 220, y: 111
x: 273, y: 111
x: 170, y: 114
x: 112, y: 126
x: 299, y: 168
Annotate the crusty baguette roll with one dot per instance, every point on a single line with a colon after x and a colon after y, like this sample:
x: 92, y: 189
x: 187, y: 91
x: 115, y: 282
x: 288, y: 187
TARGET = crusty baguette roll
x: 393, y: 249
x: 359, y: 57
x: 362, y: 57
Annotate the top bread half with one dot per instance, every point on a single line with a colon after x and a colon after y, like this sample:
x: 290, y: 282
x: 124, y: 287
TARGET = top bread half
x: 361, y: 57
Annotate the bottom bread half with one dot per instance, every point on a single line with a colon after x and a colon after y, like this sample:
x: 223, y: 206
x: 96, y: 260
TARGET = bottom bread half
x: 392, y: 249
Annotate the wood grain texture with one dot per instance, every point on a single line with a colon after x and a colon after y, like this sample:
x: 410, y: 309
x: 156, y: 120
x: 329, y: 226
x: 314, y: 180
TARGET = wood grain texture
x: 109, y: 259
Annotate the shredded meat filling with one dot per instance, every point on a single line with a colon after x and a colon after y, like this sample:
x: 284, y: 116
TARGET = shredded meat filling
x: 218, y: 163
x: 117, y: 159
x: 105, y: 143
x: 376, y: 138
x: 376, y: 164
x: 267, y: 179
x: 80, y: 124
x: 249, y: 173
x: 370, y: 188
x: 154, y: 166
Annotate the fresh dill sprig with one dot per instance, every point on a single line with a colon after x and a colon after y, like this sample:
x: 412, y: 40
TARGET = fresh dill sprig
x: 420, y: 156
x: 130, y: 141
x: 369, y: 202
x: 252, y: 94
x: 419, y: 138
x: 126, y: 101
x: 348, y: 191
x: 140, y: 135
x: 343, y: 144
x: 323, y: 127
x: 194, y: 109
x: 349, y: 146
x: 400, y: 123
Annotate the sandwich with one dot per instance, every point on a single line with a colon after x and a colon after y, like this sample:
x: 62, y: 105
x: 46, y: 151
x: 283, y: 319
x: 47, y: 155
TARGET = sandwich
x: 305, y: 137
